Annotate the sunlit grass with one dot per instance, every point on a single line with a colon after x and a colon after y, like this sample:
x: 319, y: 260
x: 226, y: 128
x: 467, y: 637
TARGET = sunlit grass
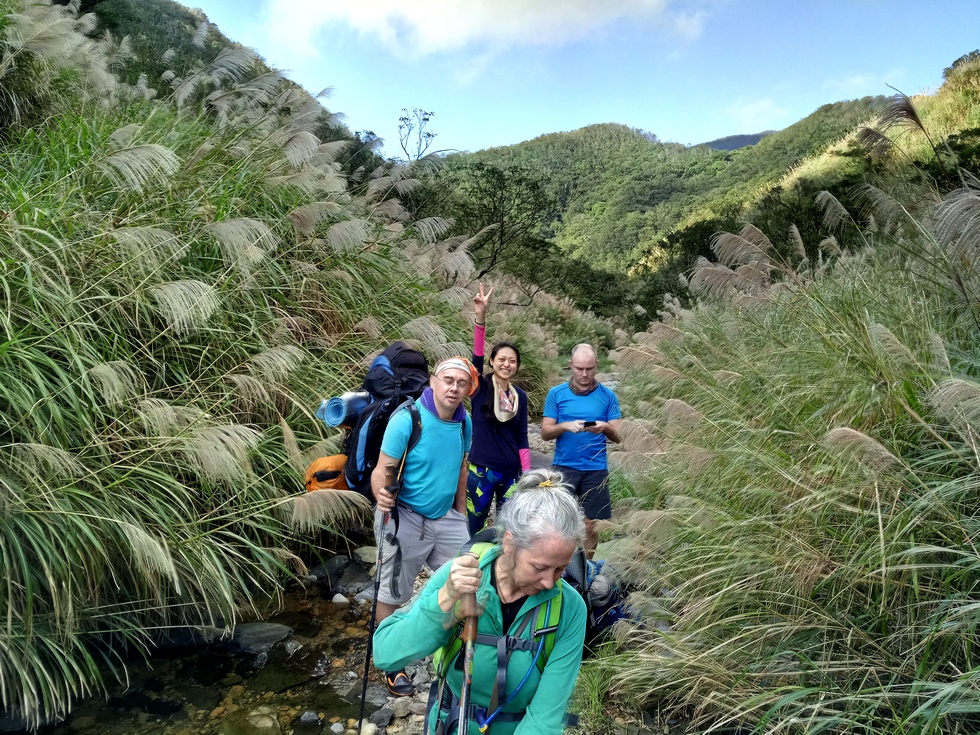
x: 806, y: 522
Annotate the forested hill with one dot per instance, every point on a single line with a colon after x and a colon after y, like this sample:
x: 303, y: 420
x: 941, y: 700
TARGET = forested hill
x: 618, y: 191
x: 734, y: 142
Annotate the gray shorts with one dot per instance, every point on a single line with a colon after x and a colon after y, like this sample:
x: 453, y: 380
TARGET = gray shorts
x: 421, y: 540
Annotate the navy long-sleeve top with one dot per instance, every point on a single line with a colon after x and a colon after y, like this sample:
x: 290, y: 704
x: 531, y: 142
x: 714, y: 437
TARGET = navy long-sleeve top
x: 497, y: 445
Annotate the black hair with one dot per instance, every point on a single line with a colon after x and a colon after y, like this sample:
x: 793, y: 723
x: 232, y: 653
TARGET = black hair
x: 488, y: 412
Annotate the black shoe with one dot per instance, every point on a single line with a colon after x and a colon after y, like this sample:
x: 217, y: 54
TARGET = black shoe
x: 398, y: 683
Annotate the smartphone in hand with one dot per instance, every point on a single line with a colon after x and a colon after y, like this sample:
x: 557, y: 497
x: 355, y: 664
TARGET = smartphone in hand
x: 589, y: 423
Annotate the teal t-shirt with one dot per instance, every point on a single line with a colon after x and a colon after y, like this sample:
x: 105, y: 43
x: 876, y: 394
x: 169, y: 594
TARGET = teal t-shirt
x: 432, y: 467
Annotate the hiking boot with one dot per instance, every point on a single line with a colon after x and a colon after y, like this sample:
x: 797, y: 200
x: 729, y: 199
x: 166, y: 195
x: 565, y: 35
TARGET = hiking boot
x: 398, y: 683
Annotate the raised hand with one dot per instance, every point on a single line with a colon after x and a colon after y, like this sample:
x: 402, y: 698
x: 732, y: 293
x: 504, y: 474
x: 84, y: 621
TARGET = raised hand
x: 480, y: 302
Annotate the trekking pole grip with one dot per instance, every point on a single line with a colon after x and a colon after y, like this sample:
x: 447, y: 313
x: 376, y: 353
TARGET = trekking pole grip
x: 390, y: 485
x: 469, y: 610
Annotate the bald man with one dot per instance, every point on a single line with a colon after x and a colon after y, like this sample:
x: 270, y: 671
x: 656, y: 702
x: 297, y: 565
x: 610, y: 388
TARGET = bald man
x: 581, y: 416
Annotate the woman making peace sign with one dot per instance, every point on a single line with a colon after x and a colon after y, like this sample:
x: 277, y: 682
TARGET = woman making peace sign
x: 500, y: 448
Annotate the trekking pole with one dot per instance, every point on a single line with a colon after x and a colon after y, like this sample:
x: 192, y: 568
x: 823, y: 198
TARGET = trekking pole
x: 391, y: 487
x: 468, y: 636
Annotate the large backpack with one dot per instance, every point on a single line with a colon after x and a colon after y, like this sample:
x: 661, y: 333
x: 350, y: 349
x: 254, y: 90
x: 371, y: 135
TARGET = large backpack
x: 396, y: 377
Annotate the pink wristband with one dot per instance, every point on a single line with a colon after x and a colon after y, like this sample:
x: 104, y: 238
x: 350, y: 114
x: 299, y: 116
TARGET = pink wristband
x: 525, y: 455
x: 479, y: 339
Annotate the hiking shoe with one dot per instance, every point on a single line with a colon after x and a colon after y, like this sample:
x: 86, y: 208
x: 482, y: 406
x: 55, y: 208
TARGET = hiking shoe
x: 398, y: 683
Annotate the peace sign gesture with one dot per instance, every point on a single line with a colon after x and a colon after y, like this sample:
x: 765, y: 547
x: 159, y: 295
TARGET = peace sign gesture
x: 480, y: 302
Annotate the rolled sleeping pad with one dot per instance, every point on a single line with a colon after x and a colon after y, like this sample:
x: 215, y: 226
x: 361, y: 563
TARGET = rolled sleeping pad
x: 343, y: 410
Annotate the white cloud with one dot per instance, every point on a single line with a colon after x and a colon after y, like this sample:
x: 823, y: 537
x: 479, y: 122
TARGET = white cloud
x: 422, y: 27
x: 860, y: 85
x: 754, y: 116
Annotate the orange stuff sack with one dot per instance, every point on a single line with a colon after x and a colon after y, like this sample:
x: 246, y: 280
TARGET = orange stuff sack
x: 327, y: 473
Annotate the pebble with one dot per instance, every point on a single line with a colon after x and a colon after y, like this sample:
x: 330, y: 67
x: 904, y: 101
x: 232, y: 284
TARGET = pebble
x: 337, y: 728
x: 339, y: 599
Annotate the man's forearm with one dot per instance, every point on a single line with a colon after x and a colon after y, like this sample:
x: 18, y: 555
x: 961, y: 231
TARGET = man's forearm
x: 552, y: 431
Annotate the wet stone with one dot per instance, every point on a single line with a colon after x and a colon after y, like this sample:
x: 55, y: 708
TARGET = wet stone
x: 383, y: 717
x: 307, y: 723
x: 256, y: 637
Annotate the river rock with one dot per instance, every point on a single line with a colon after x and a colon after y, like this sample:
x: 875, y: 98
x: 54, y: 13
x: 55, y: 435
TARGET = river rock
x: 256, y: 637
x: 335, y: 565
x: 308, y: 723
x: 365, y: 595
x: 337, y: 728
x: 382, y: 717
x: 339, y: 599
x: 367, y: 555
x: 258, y: 721
x: 401, y: 707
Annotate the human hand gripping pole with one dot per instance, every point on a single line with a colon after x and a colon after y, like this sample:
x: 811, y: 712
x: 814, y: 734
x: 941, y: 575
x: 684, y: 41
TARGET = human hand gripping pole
x: 392, y: 483
x: 470, y: 611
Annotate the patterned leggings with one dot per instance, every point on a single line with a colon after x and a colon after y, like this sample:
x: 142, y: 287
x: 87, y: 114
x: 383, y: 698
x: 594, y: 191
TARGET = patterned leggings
x: 483, y: 484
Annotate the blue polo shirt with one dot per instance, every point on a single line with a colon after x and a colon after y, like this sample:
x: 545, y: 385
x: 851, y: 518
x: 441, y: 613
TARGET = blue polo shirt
x: 585, y: 450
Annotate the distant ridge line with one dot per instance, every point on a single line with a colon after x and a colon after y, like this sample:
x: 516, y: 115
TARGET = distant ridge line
x: 732, y: 142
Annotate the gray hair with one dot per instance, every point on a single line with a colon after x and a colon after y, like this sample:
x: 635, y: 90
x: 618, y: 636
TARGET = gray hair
x: 542, y: 505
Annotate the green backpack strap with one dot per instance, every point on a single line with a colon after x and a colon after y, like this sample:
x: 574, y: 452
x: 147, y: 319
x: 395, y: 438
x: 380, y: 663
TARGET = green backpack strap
x: 546, y: 624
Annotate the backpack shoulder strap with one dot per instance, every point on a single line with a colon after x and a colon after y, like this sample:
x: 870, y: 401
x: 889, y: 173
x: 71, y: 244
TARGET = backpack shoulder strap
x: 546, y: 623
x: 413, y: 411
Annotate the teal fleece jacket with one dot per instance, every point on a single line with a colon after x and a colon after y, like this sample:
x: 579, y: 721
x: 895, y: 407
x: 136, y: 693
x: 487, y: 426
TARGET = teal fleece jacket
x: 420, y: 629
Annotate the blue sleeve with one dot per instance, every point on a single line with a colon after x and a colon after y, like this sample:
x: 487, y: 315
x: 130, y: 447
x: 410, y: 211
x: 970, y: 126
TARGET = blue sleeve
x: 612, y: 410
x: 551, y: 404
x: 467, y: 434
x: 397, y: 433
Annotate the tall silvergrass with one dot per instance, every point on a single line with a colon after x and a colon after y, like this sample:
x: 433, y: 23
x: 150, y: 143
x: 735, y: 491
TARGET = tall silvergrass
x: 804, y: 541
x: 181, y: 281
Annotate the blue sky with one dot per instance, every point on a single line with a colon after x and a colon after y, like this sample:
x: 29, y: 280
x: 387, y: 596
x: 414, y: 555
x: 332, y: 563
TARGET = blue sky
x: 496, y: 72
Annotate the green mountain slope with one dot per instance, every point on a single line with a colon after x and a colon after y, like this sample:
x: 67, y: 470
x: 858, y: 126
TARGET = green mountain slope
x: 619, y: 191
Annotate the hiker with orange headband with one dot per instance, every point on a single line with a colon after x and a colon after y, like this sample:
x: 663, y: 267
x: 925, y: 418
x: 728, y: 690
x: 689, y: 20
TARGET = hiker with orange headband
x: 428, y: 515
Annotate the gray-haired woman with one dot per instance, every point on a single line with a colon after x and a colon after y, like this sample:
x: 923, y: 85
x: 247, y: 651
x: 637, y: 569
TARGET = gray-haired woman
x: 517, y: 582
